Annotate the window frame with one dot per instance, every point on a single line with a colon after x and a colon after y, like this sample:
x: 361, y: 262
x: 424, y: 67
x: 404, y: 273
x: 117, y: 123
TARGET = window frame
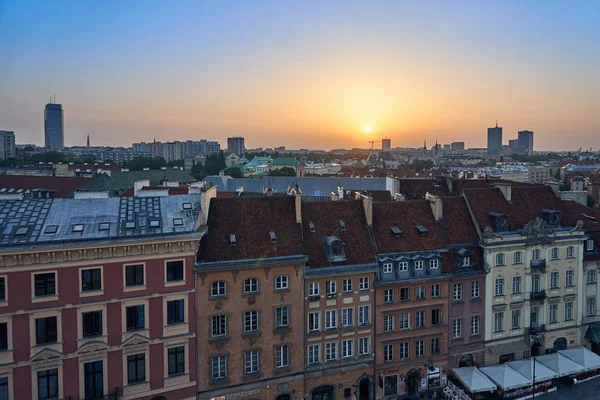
x: 434, y: 263
x: 251, y: 320
x: 519, y: 255
x: 221, y: 367
x: 282, y: 282
x: 36, y: 298
x: 388, y: 268
x: 250, y: 286
x: 135, y: 286
x: 475, y: 322
x: 475, y: 290
x: 457, y: 292
x: 218, y: 326
x: 499, y: 287
x: 94, y: 291
x: 498, y: 321
x: 500, y: 260
x: 251, y: 362
x: 569, y: 278
x: 591, y: 276
x: 217, y: 285
x: 363, y: 283
x: 388, y: 296
x: 347, y: 285
x: 282, y: 356
x: 135, y: 360
x: 175, y: 282
x: 570, y: 252
x: 179, y: 356
x: 457, y: 328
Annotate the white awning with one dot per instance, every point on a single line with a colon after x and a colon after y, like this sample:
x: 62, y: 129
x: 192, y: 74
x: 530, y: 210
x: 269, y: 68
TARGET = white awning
x: 509, y: 348
x: 474, y: 380
x: 525, y: 368
x: 505, y: 377
x: 582, y: 356
x: 560, y: 364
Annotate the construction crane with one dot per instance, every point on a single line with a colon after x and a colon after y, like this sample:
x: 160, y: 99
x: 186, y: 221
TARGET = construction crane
x: 373, y: 142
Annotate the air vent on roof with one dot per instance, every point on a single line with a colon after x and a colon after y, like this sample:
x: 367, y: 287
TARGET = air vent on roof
x: 342, y: 225
x: 177, y: 221
x: 104, y: 226
x: 273, y: 237
x: 50, y: 229
x: 311, y: 226
x: 21, y: 231
x: 397, y: 232
x: 77, y: 228
x: 422, y: 230
x: 186, y: 206
x: 130, y: 225
x: 232, y: 240
x: 154, y: 223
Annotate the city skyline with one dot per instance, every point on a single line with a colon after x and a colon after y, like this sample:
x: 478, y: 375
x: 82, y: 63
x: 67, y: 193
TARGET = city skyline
x: 306, y: 75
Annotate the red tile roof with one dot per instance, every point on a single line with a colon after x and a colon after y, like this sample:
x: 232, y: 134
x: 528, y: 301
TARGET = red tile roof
x: 418, y: 188
x: 457, y: 223
x: 251, y: 219
x: 63, y: 185
x: 405, y: 215
x: 325, y: 215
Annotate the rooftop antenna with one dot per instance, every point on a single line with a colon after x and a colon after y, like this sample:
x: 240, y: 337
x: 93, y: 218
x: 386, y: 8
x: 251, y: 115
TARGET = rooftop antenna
x: 496, y: 123
x: 54, y: 99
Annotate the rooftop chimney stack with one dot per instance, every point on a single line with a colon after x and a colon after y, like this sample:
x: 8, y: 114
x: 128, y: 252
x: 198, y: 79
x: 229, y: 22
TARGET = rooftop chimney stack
x: 506, y: 190
x: 436, y: 206
x: 368, y: 206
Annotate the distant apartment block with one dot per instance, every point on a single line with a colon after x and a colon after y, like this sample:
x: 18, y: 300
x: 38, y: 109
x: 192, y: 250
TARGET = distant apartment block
x: 458, y: 145
x: 525, y: 139
x: 386, y: 144
x: 54, y: 127
x: 236, y: 145
x: 174, y: 151
x: 494, y: 140
x: 7, y: 145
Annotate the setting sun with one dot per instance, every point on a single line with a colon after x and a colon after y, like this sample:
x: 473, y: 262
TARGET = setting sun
x: 367, y: 129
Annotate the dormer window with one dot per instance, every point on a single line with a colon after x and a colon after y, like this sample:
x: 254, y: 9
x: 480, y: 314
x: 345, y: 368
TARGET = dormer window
x: 154, y: 223
x: 186, y: 206
x: 311, y: 226
x: 21, y: 231
x: 397, y: 232
x: 335, y: 249
x: 130, y: 225
x: 51, y: 229
x: 466, y: 261
x: 589, y: 245
x: 273, y: 237
x: 434, y: 263
x: 422, y: 230
x: 403, y: 266
x: 342, y: 225
x: 387, y: 268
x: 232, y: 240
x: 499, y: 220
x: 177, y: 221
x: 104, y: 226
x: 419, y: 265
x: 77, y: 228
x: 551, y: 216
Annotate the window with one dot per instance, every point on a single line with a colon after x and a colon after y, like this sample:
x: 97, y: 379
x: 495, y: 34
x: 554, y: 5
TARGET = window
x: 3, y: 338
x: 435, y: 316
x: 591, y: 306
x: 136, y: 368
x: 420, y: 345
x: 457, y: 291
x: 499, y: 287
x: 403, y: 266
x: 134, y: 275
x: 516, y: 319
x: 363, y: 284
x: 314, y: 354
x: 404, y: 294
x: 475, y: 288
x: 364, y: 317
x: 219, y: 325
x: 388, y: 352
x: 47, y: 381
x: 281, y: 317
x: 2, y: 292
x: 313, y: 289
x: 404, y: 321
x: 404, y: 351
x: 330, y: 319
x: 535, y: 283
x: 135, y: 317
x: 569, y: 278
x: 388, y: 323
x: 589, y: 245
x: 176, y: 356
x: 553, y: 280
x: 282, y: 356
x: 420, y: 292
x: 536, y: 254
x: 434, y: 264
x: 251, y: 285
x: 314, y: 321
x: 251, y: 362
x: 3, y: 388
x: 219, y: 367
x: 457, y: 328
x: 533, y: 315
x: 46, y: 330
x: 570, y: 252
x: 388, y: 295
x: 418, y: 265
x: 569, y: 311
x: 364, y: 346
x: 91, y: 279
x: 347, y: 285
x: 553, y: 313
x: 347, y: 348
x: 45, y: 284
x: 591, y: 276
x: 554, y: 253
x: 498, y: 321
x: 330, y: 351
x: 175, y: 271
x: 387, y: 268
x: 92, y: 323
x: 281, y: 282
x: 517, y: 257
x: 251, y: 321
x: 466, y: 261
x: 435, y: 290
x: 330, y: 287
x: 475, y: 325
x: 94, y: 380
x: 420, y: 319
x: 435, y: 346
x: 516, y: 284
x: 175, y: 311
x: 347, y: 317
x: 499, y: 259
x: 218, y: 289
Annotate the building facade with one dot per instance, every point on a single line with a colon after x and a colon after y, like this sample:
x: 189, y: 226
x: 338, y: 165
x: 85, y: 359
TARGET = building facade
x: 494, y: 140
x: 7, y: 145
x: 236, y: 145
x: 525, y: 139
x: 98, y: 297
x: 54, y: 127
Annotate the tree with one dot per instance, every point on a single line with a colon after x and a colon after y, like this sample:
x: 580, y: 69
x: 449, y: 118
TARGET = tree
x: 197, y: 171
x: 285, y: 171
x: 233, y: 171
x: 48, y: 156
x: 139, y: 163
x: 215, y: 163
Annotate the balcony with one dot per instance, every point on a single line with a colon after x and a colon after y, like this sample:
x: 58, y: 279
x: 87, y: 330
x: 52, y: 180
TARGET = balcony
x: 539, y: 265
x: 541, y: 295
x: 536, y: 329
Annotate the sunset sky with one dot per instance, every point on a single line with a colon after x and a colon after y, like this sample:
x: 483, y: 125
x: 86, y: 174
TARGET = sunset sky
x: 303, y: 73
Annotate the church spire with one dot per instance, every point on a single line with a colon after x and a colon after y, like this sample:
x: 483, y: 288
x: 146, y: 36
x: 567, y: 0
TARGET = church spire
x: 88, y: 140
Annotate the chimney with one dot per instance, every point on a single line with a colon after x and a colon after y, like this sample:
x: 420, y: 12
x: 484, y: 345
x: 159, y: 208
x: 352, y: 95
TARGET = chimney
x: 138, y: 185
x: 400, y: 197
x: 506, y: 190
x: 436, y: 206
x: 335, y: 196
x: 298, y: 204
x: 368, y: 206
x: 340, y: 191
x: 205, y: 196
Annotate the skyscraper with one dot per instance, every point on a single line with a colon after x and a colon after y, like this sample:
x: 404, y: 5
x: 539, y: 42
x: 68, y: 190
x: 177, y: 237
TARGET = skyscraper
x: 526, y: 141
x: 494, y: 140
x: 7, y: 145
x: 235, y: 145
x: 54, y: 127
x: 386, y: 144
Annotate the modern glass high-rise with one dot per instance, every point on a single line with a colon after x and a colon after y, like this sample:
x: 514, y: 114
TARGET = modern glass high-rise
x: 494, y: 140
x: 54, y: 127
x: 526, y: 141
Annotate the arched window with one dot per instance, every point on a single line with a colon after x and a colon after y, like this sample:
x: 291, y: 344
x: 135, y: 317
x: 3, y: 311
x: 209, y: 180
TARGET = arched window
x: 560, y: 344
x: 218, y: 288
x: 466, y: 360
x: 251, y: 285
x: 281, y: 282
